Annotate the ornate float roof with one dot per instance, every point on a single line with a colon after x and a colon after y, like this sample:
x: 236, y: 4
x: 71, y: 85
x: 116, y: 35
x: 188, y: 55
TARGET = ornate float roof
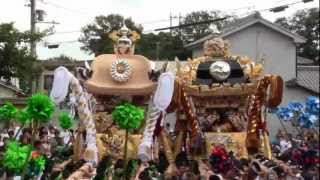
x: 102, y: 83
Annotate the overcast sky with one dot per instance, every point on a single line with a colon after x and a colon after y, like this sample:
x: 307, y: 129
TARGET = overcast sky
x: 74, y: 14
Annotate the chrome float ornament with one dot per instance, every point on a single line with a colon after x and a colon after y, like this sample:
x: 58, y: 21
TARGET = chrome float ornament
x: 220, y: 70
x: 120, y: 70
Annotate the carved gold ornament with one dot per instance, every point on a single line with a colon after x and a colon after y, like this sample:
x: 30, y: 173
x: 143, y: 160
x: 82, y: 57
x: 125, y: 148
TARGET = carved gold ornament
x: 216, y: 47
x: 121, y: 70
x: 234, y: 142
x: 115, y: 35
x: 113, y: 144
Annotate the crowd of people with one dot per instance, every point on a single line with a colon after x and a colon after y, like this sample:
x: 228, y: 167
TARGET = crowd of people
x: 47, y: 137
x: 46, y: 142
x: 295, y: 156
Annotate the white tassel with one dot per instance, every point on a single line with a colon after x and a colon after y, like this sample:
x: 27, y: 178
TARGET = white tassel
x: 80, y: 99
x: 147, y: 139
x: 158, y: 105
x: 60, y: 84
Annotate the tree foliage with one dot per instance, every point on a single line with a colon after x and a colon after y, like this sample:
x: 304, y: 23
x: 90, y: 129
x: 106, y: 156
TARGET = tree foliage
x: 15, y: 59
x: 63, y: 58
x: 192, y: 33
x: 95, y: 35
x: 161, y: 46
x: 305, y: 23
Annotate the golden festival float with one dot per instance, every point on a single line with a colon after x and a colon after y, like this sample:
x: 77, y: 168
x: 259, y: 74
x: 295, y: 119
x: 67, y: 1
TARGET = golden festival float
x: 217, y: 99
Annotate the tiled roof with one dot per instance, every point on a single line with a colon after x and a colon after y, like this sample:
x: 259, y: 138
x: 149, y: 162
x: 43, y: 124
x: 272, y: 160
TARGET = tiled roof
x: 56, y: 63
x: 308, y: 77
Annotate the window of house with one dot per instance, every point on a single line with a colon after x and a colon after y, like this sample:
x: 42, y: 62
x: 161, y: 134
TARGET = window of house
x: 48, y: 80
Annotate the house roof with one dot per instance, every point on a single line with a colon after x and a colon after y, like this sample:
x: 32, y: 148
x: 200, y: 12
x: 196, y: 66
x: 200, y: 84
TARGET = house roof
x: 12, y: 88
x: 245, y: 22
x: 52, y: 64
x: 308, y: 77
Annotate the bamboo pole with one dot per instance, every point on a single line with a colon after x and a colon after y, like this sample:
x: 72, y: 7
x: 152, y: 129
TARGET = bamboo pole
x: 125, y: 155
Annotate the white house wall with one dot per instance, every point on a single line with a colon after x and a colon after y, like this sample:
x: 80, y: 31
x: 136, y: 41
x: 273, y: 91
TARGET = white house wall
x: 259, y: 41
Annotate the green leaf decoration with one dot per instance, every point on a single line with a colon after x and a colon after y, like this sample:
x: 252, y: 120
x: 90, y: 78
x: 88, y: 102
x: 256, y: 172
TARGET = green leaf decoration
x: 39, y: 163
x: 7, y: 111
x: 23, y: 116
x: 15, y: 156
x: 128, y: 116
x: 65, y: 120
x: 131, y: 168
x: 40, y: 107
x: 36, y: 165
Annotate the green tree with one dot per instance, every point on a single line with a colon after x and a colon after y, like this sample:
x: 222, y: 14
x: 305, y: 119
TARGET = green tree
x: 95, y: 35
x: 305, y: 23
x: 192, y: 33
x: 147, y: 46
x: 63, y: 58
x: 15, y: 58
x: 171, y: 46
x: 162, y: 46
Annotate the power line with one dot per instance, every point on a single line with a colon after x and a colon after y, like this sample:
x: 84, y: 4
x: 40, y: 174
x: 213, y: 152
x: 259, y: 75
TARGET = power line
x: 157, y: 21
x: 64, y: 8
x: 284, y: 6
x: 65, y: 32
x: 82, y: 12
x: 240, y: 8
x: 276, y: 9
x: 192, y: 24
x: 60, y: 42
x: 272, y: 9
x: 46, y: 44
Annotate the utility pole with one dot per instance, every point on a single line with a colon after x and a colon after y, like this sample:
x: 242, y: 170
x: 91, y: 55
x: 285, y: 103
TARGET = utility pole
x: 33, y: 82
x: 170, y: 23
x: 33, y: 27
x: 180, y: 17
